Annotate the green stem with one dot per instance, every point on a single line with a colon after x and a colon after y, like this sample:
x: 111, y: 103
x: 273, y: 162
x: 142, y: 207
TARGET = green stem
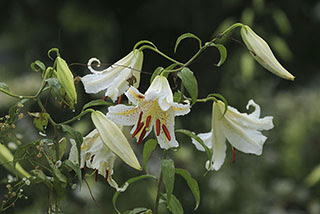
x: 77, y: 117
x: 156, y: 205
x: 160, y: 53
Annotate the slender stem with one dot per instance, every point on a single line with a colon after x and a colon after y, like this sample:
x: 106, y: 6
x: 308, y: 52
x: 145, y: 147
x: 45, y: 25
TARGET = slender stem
x: 77, y: 117
x: 160, y: 53
x: 156, y: 205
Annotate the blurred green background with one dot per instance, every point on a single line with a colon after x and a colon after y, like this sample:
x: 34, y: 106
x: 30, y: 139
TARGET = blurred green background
x: 274, y: 183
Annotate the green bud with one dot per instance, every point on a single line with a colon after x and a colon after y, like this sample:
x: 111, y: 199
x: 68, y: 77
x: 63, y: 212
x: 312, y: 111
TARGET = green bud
x: 65, y: 78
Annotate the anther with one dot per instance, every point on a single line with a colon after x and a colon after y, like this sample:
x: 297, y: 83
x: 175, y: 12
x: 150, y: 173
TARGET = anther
x: 139, y: 127
x: 119, y: 100
x: 107, y: 173
x: 234, y: 155
x: 158, y: 127
x: 166, y: 131
x: 140, y: 118
x: 148, y: 121
x: 91, y: 160
x: 104, y: 98
x: 143, y: 133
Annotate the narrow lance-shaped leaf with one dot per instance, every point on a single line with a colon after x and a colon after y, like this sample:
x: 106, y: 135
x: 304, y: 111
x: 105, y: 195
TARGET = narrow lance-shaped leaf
x: 149, y: 146
x: 168, y: 172
x: 223, y: 53
x: 96, y: 103
x: 156, y: 73
x: 4, y: 86
x: 192, y: 183
x: 190, y: 83
x: 185, y: 36
x: 38, y: 66
x: 175, y: 206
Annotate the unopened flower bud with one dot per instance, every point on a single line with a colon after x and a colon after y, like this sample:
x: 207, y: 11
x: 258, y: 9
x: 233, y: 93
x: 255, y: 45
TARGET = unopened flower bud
x: 261, y: 51
x: 65, y: 78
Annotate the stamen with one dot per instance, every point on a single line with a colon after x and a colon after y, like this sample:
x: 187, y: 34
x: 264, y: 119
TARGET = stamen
x: 140, y: 96
x: 140, y: 118
x: 234, y: 155
x: 91, y: 160
x: 148, y: 121
x: 158, y: 127
x: 107, y: 173
x: 96, y: 176
x: 143, y: 133
x: 119, y: 100
x: 104, y: 98
x: 166, y: 131
x: 137, y: 130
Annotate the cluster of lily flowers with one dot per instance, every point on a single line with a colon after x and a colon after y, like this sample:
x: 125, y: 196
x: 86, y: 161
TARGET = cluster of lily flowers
x: 156, y: 109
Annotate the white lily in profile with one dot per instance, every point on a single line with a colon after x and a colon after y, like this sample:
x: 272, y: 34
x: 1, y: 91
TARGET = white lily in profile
x: 154, y: 109
x: 116, y: 78
x: 261, y: 51
x: 101, y: 147
x: 242, y: 130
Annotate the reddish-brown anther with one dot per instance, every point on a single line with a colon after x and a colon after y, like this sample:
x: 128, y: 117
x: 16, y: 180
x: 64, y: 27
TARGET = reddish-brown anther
x: 158, y: 127
x: 143, y: 133
x: 96, y: 176
x: 92, y: 157
x: 166, y: 131
x: 148, y: 121
x: 139, y: 127
x: 107, y: 173
x: 105, y: 98
x: 234, y: 155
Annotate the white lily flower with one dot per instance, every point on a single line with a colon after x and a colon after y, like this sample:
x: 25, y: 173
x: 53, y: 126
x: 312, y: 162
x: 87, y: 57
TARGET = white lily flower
x: 95, y: 155
x: 242, y: 130
x: 115, y: 79
x: 154, y: 109
x: 261, y: 51
x: 113, y: 138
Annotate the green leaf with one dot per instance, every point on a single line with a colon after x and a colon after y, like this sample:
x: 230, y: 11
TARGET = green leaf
x: 75, y: 168
x: 21, y: 152
x: 168, y: 172
x: 96, y: 103
x: 194, y: 136
x: 223, y: 53
x: 38, y: 66
x: 41, y: 177
x: 139, y: 210
x: 192, y: 183
x: 77, y: 136
x: 156, y: 73
x: 175, y: 206
x: 177, y: 96
x: 190, y: 83
x: 40, y: 120
x: 149, y: 146
x: 62, y: 147
x: 4, y: 86
x: 127, y: 183
x: 185, y: 36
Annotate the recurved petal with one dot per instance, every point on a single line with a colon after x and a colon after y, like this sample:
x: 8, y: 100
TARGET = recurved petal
x: 180, y: 109
x: 134, y: 95
x: 123, y: 115
x: 251, y: 121
x: 114, y: 139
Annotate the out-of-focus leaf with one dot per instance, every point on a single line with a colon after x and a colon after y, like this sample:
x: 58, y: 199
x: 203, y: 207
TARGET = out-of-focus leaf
x: 41, y: 177
x: 175, y: 206
x: 185, y: 36
x: 21, y: 152
x: 126, y: 184
x: 280, y: 46
x: 247, y: 16
x: 4, y: 86
x: 96, y: 103
x: 168, y: 172
x: 247, y: 65
x: 224, y: 25
x: 62, y: 147
x: 40, y: 120
x: 15, y: 110
x: 282, y: 21
x: 258, y: 5
x: 192, y: 183
x: 156, y: 73
x: 149, y: 146
x: 177, y: 96
x: 314, y: 176
x: 38, y: 66
x: 77, y: 136
x: 189, y: 81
